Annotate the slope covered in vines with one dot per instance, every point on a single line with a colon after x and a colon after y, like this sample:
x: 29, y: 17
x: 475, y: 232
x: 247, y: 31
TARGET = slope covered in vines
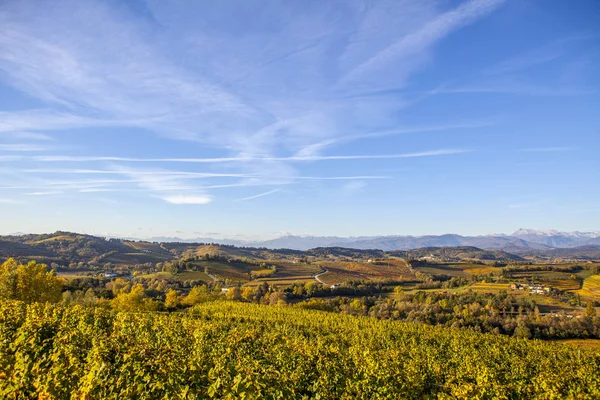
x: 235, y: 350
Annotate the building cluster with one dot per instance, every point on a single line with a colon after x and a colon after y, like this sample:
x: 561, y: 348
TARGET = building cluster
x: 534, y: 288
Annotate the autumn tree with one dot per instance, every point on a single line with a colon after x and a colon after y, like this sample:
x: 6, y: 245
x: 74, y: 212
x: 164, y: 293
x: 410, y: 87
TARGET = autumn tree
x: 135, y: 300
x: 234, y: 293
x: 197, y: 295
x: 30, y: 282
x: 172, y: 299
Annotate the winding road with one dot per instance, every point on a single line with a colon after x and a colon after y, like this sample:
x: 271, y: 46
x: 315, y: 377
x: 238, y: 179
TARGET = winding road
x: 319, y: 274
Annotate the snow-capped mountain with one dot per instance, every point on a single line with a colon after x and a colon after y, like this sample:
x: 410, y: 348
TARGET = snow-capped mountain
x: 554, y: 238
x: 521, y: 239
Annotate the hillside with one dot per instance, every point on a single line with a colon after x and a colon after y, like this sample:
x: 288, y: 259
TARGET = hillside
x: 236, y: 350
x: 588, y: 252
x: 457, y: 254
x: 66, y: 247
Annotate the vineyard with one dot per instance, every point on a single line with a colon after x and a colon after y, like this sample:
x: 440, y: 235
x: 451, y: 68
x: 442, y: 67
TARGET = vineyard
x: 591, y: 287
x: 236, y: 350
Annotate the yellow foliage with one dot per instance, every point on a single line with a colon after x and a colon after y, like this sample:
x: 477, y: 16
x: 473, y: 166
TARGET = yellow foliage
x: 135, y: 300
x: 172, y: 299
x: 197, y: 295
x: 29, y: 282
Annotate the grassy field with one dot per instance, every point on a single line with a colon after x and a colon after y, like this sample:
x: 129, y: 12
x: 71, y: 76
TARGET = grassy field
x: 450, y: 270
x: 591, y: 287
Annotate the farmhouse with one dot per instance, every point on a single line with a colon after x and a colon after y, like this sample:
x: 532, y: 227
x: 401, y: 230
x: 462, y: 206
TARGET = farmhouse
x: 539, y: 289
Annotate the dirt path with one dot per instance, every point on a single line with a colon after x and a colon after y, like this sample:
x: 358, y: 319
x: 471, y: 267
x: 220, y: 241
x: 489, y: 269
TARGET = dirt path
x: 319, y: 274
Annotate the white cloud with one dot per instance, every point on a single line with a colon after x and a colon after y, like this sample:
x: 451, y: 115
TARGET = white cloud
x: 183, y: 199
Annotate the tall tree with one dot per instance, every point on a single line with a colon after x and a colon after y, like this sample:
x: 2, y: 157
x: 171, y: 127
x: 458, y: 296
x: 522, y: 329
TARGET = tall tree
x: 31, y: 282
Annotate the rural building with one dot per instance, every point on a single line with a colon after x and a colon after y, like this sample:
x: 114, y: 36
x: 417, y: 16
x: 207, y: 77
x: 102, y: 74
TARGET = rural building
x: 538, y: 289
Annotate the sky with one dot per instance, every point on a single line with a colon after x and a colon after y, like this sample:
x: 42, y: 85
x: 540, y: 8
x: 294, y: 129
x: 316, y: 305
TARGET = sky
x: 251, y: 119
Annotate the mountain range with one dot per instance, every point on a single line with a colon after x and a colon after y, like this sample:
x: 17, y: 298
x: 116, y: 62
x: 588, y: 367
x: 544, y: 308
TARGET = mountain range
x: 521, y: 239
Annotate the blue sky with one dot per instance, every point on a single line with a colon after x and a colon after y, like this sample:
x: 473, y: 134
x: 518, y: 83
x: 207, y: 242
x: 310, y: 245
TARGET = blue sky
x: 248, y: 119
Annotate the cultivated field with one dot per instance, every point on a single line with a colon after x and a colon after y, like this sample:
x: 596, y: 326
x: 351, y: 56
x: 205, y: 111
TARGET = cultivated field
x: 341, y: 271
x: 457, y: 269
x: 179, y: 277
x: 591, y: 287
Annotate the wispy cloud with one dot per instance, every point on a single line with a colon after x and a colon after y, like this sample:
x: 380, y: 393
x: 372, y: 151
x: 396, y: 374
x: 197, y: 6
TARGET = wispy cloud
x: 44, y: 193
x: 237, y: 91
x: 415, y: 43
x: 295, y: 158
x: 511, y: 86
x: 260, y: 195
x: 21, y: 147
x: 541, y: 55
x: 182, y: 199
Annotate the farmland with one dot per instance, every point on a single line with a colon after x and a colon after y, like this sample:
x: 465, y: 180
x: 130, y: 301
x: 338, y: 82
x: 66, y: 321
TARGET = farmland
x: 234, y: 350
x: 378, y: 270
x: 457, y: 269
x: 591, y: 287
x: 179, y: 277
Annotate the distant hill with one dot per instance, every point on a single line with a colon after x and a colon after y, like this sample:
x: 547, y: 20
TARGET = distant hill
x: 458, y: 253
x: 588, y: 252
x: 67, y: 247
